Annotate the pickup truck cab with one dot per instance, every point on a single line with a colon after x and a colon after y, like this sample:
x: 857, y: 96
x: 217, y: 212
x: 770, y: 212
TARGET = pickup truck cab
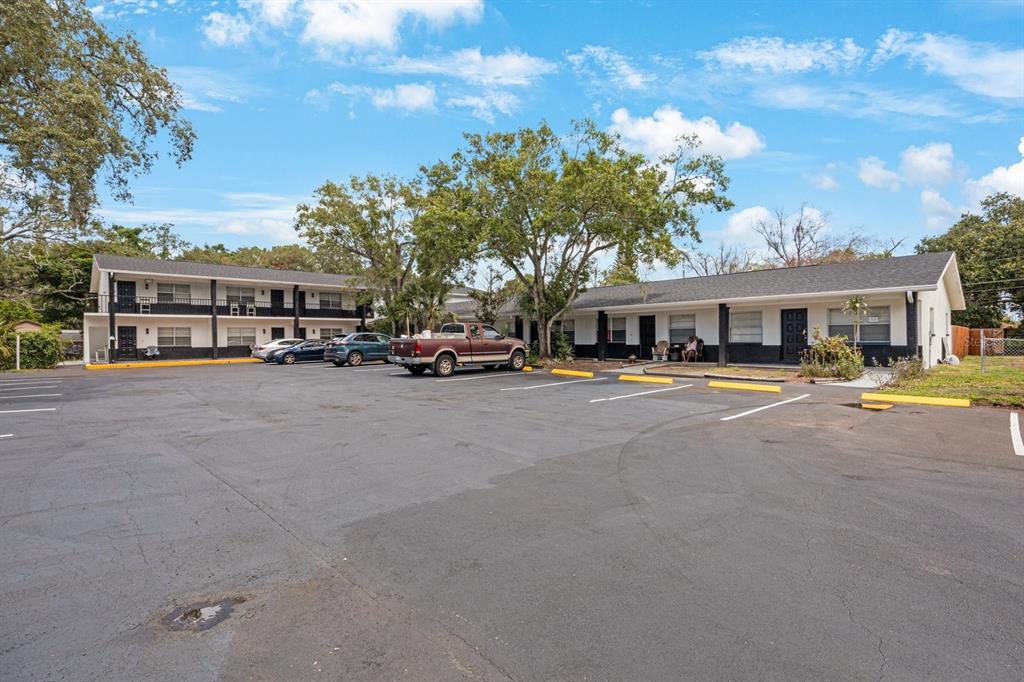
x: 458, y: 344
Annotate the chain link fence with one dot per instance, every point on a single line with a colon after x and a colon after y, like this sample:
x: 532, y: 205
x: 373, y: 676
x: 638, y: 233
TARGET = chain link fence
x: 997, y: 351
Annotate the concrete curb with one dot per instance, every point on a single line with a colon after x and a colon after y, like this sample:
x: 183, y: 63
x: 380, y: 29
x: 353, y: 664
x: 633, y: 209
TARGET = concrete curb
x: 174, y: 363
x: 914, y: 400
x: 572, y: 373
x: 715, y: 375
x: 646, y: 379
x: 744, y: 387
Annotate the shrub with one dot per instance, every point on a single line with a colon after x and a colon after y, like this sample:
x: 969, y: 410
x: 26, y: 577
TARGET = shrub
x: 15, y: 311
x: 563, y: 350
x: 39, y: 350
x: 533, y: 357
x: 831, y: 356
x: 903, y: 369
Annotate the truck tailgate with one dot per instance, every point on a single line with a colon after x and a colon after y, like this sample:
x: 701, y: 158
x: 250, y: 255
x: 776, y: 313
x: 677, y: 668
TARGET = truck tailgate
x: 403, y: 347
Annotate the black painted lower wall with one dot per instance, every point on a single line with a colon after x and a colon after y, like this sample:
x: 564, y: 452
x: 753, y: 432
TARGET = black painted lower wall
x: 191, y: 353
x: 744, y: 353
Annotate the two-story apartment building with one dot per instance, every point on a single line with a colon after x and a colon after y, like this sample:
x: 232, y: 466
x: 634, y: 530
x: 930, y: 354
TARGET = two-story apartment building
x: 202, y: 310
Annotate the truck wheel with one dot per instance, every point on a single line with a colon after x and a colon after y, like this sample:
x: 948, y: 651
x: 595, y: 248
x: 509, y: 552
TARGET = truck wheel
x: 444, y: 365
x: 517, y: 361
x: 355, y: 358
x: 417, y: 369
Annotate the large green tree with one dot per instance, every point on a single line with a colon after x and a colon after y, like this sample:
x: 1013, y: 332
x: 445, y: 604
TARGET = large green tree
x: 77, y: 106
x: 402, y: 238
x: 990, y: 253
x: 548, y: 205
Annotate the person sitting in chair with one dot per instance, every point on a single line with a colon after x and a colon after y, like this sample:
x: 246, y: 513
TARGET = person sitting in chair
x: 690, y: 350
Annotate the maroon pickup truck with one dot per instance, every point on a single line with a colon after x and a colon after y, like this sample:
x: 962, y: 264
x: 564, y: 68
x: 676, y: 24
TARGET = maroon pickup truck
x: 458, y: 344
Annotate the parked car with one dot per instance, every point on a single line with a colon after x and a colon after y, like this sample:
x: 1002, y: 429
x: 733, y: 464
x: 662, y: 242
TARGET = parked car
x: 458, y: 344
x: 305, y: 351
x: 263, y: 350
x: 357, y: 348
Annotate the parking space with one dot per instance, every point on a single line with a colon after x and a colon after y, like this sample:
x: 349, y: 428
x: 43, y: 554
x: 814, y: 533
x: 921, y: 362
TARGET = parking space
x: 378, y: 522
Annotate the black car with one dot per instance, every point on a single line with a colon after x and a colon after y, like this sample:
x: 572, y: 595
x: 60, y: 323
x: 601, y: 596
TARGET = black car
x: 307, y: 351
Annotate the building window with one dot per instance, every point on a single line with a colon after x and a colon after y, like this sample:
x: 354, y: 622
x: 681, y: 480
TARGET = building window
x: 166, y: 292
x: 617, y: 330
x: 330, y: 299
x: 241, y: 295
x: 874, y: 325
x: 681, y: 328
x: 745, y: 327
x: 241, y: 336
x: 328, y: 333
x: 174, y: 336
x: 569, y: 330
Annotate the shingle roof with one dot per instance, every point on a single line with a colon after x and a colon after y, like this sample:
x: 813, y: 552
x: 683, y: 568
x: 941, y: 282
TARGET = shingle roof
x: 901, y: 272
x: 215, y: 271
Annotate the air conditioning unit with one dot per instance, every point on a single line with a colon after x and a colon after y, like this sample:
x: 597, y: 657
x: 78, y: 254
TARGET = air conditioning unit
x: 144, y: 308
x: 234, y: 310
x: 250, y: 309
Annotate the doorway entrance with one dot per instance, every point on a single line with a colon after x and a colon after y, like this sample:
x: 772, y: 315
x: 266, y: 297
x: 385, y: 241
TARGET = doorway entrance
x: 794, y: 334
x: 647, y: 334
x: 126, y: 340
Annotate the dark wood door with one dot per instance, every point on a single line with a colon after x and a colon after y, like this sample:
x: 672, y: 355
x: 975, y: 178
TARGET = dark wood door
x: 277, y: 300
x: 794, y: 334
x: 126, y: 340
x: 126, y: 297
x: 647, y: 339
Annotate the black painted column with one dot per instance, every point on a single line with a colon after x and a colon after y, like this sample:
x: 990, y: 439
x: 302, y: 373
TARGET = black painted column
x: 111, y: 315
x: 912, y: 348
x: 213, y: 316
x: 723, y: 335
x: 602, y: 335
x: 295, y: 311
x: 362, y: 317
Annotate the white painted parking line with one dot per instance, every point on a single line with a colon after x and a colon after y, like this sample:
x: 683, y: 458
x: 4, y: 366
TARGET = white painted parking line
x: 36, y: 409
x: 765, y: 407
x: 1018, y: 443
x: 35, y: 395
x: 557, y: 383
x: 19, y: 382
x: 637, y: 395
x: 33, y: 387
x: 487, y: 376
x: 6, y: 435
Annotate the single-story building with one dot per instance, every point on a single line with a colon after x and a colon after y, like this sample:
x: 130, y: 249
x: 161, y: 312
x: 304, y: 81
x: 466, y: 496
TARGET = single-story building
x: 768, y: 316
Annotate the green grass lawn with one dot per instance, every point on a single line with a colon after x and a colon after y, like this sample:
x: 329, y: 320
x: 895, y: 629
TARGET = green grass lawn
x: 1002, y: 383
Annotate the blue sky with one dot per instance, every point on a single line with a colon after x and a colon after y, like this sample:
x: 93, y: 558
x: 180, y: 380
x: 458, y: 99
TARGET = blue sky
x: 891, y: 118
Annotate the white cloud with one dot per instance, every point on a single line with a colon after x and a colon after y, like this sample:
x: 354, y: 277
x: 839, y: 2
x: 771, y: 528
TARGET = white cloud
x: 615, y: 68
x: 658, y: 134
x: 408, y: 97
x: 931, y: 164
x: 508, y: 68
x: 855, y: 100
x: 362, y: 24
x: 484, y: 106
x: 267, y: 217
x: 226, y: 29
x: 826, y: 179
x: 272, y: 12
x: 775, y: 55
x: 740, y: 227
x: 873, y: 173
x: 206, y: 89
x: 1002, y: 179
x: 980, y: 68
x: 938, y: 212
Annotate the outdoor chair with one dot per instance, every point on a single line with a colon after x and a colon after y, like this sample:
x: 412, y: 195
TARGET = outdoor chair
x: 699, y: 356
x: 660, y: 351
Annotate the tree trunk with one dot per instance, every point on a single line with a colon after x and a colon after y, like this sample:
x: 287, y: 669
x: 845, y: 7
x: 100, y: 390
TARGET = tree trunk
x: 544, y: 342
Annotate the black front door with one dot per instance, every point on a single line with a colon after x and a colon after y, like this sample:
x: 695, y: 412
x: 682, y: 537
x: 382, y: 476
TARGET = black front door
x: 276, y: 333
x: 277, y: 301
x: 518, y: 333
x: 302, y: 303
x: 534, y: 332
x: 126, y: 300
x: 647, y: 339
x: 794, y: 334
x: 302, y: 332
x: 126, y: 342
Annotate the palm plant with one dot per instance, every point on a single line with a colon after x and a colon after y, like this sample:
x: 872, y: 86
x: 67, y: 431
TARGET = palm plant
x: 857, y: 307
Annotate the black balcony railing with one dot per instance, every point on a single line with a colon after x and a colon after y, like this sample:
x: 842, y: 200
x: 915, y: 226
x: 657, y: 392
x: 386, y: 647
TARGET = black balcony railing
x: 155, y: 305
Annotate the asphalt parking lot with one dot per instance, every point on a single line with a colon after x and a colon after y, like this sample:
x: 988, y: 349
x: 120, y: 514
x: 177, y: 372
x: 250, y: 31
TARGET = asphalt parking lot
x: 366, y: 524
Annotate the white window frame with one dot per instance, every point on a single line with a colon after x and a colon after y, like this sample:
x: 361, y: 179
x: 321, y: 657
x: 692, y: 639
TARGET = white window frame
x: 328, y: 333
x: 834, y: 328
x: 240, y: 294
x: 679, y: 323
x: 742, y: 327
x: 568, y: 329
x: 181, y: 337
x: 241, y: 336
x: 613, y: 330
x: 178, y: 292
x: 331, y: 299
